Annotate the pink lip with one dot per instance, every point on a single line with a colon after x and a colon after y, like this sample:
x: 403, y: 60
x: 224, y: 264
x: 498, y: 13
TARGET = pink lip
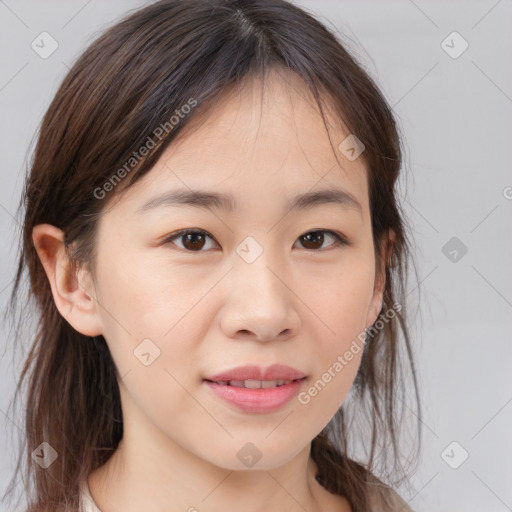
x: 274, y: 372
x: 256, y: 400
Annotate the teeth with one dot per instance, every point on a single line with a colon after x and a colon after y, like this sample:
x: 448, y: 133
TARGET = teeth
x: 256, y: 384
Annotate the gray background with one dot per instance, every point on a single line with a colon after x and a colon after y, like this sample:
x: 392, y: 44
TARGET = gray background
x: 455, y: 114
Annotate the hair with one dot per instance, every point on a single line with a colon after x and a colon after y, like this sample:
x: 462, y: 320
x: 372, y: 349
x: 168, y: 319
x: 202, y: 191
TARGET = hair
x: 120, y: 92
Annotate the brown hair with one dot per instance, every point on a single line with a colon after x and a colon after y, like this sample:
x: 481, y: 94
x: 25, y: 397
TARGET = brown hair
x: 126, y: 85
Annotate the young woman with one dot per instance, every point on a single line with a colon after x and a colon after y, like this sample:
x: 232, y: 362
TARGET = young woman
x: 218, y: 261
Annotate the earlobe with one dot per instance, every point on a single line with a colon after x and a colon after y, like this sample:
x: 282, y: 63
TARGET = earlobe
x: 389, y: 246
x: 380, y: 282
x: 72, y: 289
x: 375, y: 307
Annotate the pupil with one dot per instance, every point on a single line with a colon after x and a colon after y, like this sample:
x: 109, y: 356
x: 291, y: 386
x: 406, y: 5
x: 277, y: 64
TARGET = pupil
x: 190, y: 237
x: 316, y: 236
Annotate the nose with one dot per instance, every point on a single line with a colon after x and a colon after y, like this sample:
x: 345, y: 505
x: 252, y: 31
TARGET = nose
x: 260, y: 303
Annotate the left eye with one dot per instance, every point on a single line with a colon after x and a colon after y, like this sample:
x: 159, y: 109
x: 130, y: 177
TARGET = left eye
x: 194, y: 240
x: 313, y: 237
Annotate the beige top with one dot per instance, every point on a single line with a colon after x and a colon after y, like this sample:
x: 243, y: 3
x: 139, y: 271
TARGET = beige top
x: 86, y: 502
x: 381, y: 494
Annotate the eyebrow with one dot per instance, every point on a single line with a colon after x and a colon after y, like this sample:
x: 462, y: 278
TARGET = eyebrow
x: 219, y: 201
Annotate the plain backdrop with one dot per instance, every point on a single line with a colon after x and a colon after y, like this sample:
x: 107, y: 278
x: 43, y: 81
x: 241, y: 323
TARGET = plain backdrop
x: 445, y: 68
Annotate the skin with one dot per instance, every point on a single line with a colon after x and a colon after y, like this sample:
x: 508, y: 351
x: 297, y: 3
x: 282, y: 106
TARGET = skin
x: 296, y: 304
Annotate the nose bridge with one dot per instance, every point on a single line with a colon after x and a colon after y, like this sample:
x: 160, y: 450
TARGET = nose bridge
x: 259, y: 301
x: 257, y: 268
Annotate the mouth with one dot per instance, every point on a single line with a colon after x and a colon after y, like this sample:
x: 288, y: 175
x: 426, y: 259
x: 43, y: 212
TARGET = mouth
x: 255, y: 384
x: 255, y: 396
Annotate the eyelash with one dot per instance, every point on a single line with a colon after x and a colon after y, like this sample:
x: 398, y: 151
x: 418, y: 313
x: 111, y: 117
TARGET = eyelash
x: 340, y: 239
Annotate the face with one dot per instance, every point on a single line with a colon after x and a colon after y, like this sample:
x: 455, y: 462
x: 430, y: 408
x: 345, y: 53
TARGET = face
x: 260, y: 283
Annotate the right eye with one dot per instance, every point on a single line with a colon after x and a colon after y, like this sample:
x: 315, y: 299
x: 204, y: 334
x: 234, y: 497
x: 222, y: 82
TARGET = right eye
x: 193, y: 239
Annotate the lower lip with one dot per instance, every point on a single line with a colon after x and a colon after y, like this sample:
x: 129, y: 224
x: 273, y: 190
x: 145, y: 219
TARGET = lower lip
x: 257, y: 400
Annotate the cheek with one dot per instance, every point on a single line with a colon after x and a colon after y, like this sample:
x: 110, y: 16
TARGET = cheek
x: 338, y: 306
x: 152, y: 331
x: 339, y: 297
x: 136, y: 297
x: 157, y: 371
x: 336, y: 360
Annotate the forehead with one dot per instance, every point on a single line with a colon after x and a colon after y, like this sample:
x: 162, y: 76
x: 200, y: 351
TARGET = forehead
x: 265, y: 139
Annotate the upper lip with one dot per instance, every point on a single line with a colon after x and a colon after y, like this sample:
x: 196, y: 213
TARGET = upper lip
x: 274, y: 372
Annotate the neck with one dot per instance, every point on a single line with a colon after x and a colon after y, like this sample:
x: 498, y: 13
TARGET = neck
x: 149, y: 470
x: 181, y: 480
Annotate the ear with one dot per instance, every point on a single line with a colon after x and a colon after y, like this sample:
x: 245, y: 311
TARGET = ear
x: 380, y: 279
x: 72, y: 290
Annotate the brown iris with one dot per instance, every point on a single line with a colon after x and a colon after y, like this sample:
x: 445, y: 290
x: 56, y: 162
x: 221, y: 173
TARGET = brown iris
x: 195, y: 240
x: 312, y: 237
